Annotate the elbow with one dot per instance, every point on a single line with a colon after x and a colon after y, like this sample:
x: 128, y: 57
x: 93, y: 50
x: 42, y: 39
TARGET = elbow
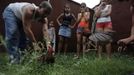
x: 57, y: 20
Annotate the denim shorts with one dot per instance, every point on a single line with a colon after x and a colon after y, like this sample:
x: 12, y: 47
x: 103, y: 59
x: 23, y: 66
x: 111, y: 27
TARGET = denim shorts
x: 65, y: 31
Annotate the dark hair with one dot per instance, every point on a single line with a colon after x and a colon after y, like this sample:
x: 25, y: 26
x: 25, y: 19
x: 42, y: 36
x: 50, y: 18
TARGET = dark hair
x: 83, y: 4
x: 47, y: 5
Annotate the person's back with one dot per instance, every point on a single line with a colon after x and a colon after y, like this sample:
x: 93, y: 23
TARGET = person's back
x: 17, y: 8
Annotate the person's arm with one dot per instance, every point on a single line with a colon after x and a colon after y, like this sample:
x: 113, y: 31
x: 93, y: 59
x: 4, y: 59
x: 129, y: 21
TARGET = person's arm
x: 87, y: 16
x: 78, y: 20
x: 99, y: 8
x: 26, y: 20
x: 132, y: 29
x: 97, y: 12
x: 58, y: 19
x: 45, y: 32
x: 108, y: 12
x: 74, y: 19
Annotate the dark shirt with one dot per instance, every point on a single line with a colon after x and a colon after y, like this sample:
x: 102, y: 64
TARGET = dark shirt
x: 67, y: 19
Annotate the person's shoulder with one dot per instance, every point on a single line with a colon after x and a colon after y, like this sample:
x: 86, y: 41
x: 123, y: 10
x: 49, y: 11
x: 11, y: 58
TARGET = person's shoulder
x: 28, y: 9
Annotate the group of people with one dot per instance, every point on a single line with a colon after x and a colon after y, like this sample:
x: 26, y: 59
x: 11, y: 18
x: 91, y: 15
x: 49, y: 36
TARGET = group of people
x: 19, y: 16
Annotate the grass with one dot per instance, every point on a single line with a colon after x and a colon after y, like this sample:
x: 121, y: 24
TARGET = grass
x: 66, y: 65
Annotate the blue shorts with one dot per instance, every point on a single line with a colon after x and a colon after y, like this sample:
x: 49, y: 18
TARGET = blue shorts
x: 65, y: 31
x: 80, y: 30
x: 83, y: 31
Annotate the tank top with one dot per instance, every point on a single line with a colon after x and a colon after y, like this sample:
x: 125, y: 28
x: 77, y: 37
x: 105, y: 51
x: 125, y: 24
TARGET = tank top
x: 83, y: 22
x: 103, y: 12
x: 67, y: 19
x: 17, y: 8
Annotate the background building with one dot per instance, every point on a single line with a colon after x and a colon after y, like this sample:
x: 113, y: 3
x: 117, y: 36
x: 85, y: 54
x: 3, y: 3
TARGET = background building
x: 121, y: 18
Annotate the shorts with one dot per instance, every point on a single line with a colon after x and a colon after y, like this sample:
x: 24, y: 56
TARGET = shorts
x: 84, y: 31
x: 65, y: 31
x: 104, y: 25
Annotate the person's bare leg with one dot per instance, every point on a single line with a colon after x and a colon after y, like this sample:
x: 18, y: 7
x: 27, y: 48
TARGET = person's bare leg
x: 108, y: 50
x: 99, y: 51
x: 66, y: 45
x: 78, y: 44
x: 60, y: 44
x: 99, y: 29
x: 99, y: 47
x: 84, y: 44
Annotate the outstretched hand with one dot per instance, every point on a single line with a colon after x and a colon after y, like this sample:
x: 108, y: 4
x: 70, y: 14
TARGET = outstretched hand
x: 125, y: 41
x: 50, y: 50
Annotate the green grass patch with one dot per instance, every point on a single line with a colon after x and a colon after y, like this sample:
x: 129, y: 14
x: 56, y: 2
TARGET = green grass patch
x: 66, y: 65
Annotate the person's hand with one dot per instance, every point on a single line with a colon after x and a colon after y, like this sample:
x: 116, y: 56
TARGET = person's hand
x: 125, y: 41
x: 36, y: 47
x: 49, y: 49
x: 121, y: 46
